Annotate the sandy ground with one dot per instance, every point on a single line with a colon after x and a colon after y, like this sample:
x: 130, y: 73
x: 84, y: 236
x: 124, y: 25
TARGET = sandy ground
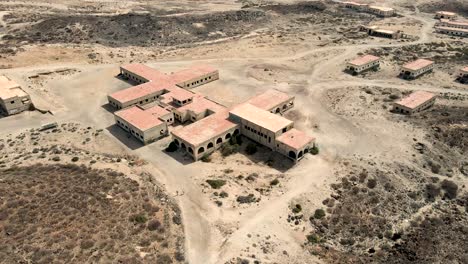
x: 311, y: 71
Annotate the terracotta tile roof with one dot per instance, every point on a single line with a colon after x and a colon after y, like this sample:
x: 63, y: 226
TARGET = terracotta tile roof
x: 364, y: 60
x: 295, y: 139
x: 269, y: 99
x: 201, y: 104
x: 137, y: 117
x: 139, y: 91
x: 179, y: 94
x: 452, y: 29
x: 146, y: 72
x: 446, y: 13
x: 157, y: 111
x: 415, y: 99
x: 260, y: 117
x: 206, y: 129
x: 191, y: 73
x: 417, y: 64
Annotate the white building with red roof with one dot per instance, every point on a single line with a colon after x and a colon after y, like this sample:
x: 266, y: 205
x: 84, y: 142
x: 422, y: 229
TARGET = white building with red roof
x: 414, y: 69
x: 415, y: 102
x: 362, y: 64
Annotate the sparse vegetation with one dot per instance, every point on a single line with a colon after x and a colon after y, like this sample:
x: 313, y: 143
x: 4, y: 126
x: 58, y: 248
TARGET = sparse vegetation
x: 314, y: 150
x: 251, y: 148
x: 319, y: 214
x: 216, y: 184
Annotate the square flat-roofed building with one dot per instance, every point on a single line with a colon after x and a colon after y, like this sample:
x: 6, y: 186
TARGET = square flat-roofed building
x: 140, y: 94
x: 294, y: 144
x: 273, y: 101
x: 260, y: 125
x: 144, y: 125
x: 205, y: 136
x: 415, y: 102
x: 195, y: 76
x: 165, y: 115
x: 445, y: 15
x: 13, y: 99
x: 355, y: 5
x: 416, y: 68
x: 362, y: 64
x: 385, y: 33
x: 200, y: 108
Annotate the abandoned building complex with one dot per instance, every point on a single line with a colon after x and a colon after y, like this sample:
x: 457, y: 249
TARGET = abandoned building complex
x: 363, y: 64
x: 148, y: 109
x: 13, y: 99
x: 376, y: 10
x: 449, y: 25
x: 383, y: 33
x: 415, y: 102
x: 414, y: 69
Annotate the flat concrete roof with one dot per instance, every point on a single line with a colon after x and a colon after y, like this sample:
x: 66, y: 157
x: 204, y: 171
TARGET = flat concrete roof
x: 192, y: 73
x: 455, y: 22
x: 260, y: 117
x: 417, y: 64
x: 382, y: 8
x: 145, y: 71
x: 206, y: 129
x: 139, y: 91
x: 180, y: 93
x: 156, y: 111
x: 295, y: 139
x: 139, y: 118
x: 453, y: 29
x: 366, y: 59
x: 354, y: 3
x: 269, y: 99
x: 446, y: 13
x: 10, y: 89
x: 385, y: 31
x: 415, y: 99
x: 201, y: 104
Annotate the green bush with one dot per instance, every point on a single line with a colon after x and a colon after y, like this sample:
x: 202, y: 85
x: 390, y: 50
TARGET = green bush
x: 297, y: 209
x: 319, y: 214
x: 274, y: 182
x: 138, y: 218
x: 235, y: 140
x: 251, y: 148
x: 314, y: 150
x: 172, y: 147
x: 313, y: 238
x: 216, y: 184
x: 228, y: 149
x: 206, y: 158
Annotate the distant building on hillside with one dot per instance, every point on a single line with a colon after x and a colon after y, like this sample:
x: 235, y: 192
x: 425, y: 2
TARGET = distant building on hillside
x: 415, y: 102
x: 13, y: 99
x: 376, y: 10
x: 462, y: 75
x: 445, y: 15
x: 379, y: 32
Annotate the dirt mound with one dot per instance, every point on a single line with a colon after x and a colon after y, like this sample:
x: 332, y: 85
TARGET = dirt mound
x: 458, y: 6
x: 73, y: 214
x: 140, y: 29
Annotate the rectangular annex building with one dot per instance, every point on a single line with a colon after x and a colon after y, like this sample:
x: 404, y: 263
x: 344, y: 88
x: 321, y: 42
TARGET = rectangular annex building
x: 13, y: 99
x: 462, y: 75
x: 414, y: 69
x: 415, y: 102
x: 362, y: 64
x: 445, y: 15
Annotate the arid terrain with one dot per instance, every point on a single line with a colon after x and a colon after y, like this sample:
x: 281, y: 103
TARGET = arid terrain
x: 384, y: 188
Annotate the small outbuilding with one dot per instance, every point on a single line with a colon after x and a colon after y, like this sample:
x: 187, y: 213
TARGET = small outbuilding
x: 363, y: 64
x: 415, y: 102
x: 13, y: 99
x: 414, y: 69
x: 382, y: 11
x: 445, y: 15
x: 462, y: 75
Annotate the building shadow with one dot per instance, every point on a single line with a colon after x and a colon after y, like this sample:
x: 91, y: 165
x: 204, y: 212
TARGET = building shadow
x: 180, y: 156
x: 267, y: 157
x: 125, y: 79
x: 125, y: 137
x: 108, y: 107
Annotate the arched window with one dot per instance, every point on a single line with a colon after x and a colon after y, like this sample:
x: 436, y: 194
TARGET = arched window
x: 228, y: 135
x: 284, y: 107
x: 190, y: 150
x: 210, y: 145
x: 300, y: 154
x: 292, y: 154
x: 201, y: 150
x: 219, y: 141
x: 236, y: 132
x: 176, y: 142
x: 277, y: 110
x: 183, y: 146
x: 306, y: 150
